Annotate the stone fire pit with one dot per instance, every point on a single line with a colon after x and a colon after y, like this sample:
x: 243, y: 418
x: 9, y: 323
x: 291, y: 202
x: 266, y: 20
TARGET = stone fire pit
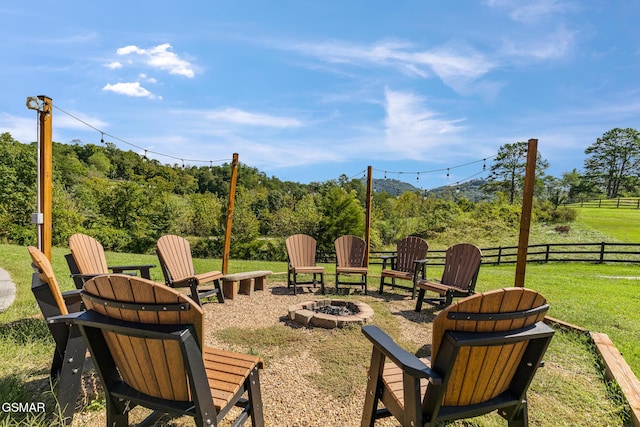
x: 327, y: 313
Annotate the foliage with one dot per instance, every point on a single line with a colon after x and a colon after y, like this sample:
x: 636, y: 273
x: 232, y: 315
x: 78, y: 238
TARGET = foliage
x: 613, y: 161
x: 508, y: 170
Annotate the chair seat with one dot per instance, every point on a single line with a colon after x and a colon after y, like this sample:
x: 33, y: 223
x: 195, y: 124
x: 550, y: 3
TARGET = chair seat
x: 309, y: 270
x: 438, y: 287
x: 408, y: 275
x: 226, y: 372
x: 393, y: 380
x: 208, y: 277
x: 355, y: 270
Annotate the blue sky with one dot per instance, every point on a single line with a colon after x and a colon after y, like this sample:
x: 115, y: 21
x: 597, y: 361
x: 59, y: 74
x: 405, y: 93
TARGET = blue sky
x: 308, y: 90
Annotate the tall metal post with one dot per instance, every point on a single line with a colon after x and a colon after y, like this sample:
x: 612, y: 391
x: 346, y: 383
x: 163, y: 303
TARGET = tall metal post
x: 45, y: 198
x: 525, y: 217
x: 369, y: 206
x: 230, y: 207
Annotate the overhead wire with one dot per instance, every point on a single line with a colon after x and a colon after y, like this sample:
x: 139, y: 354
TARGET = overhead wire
x: 146, y: 150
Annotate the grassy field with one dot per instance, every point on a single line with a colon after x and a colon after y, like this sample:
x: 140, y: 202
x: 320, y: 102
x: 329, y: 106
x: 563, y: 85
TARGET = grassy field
x: 620, y: 224
x: 601, y: 298
x: 570, y: 391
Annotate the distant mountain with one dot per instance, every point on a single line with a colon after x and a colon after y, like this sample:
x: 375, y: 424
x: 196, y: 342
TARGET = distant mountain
x: 469, y: 190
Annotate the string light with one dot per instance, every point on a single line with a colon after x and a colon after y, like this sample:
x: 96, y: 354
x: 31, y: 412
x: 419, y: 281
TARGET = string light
x: 146, y: 151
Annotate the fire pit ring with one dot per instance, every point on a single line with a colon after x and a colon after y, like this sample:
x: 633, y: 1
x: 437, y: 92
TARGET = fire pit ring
x: 329, y: 314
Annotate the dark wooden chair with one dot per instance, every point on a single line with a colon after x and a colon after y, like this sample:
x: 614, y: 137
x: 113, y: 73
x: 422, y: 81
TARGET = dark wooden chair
x: 350, y: 260
x: 174, y: 253
x: 87, y: 260
x: 407, y: 264
x: 70, y: 348
x: 301, y: 250
x: 485, y: 351
x: 146, y: 341
x: 461, y: 267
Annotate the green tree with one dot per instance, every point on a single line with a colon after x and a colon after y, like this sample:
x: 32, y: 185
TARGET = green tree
x: 341, y: 214
x: 508, y: 170
x: 613, y: 161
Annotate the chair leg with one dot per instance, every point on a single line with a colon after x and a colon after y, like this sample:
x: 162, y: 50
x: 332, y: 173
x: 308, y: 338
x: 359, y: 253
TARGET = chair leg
x: 419, y: 301
x: 520, y: 418
x: 381, y: 284
x: 70, y: 378
x: 364, y: 281
x: 322, y: 283
x: 220, y: 295
x: 117, y: 412
x: 255, y: 399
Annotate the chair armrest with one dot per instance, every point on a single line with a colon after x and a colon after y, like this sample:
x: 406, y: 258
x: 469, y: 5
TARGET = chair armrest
x: 386, y: 258
x: 66, y: 318
x: 143, y: 269
x: 421, y: 265
x: 405, y: 360
x: 72, y: 300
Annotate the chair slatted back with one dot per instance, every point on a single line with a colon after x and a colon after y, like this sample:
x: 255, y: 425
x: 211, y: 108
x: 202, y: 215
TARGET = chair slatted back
x: 301, y: 249
x: 88, y: 254
x: 151, y: 366
x: 461, y: 265
x: 408, y: 250
x: 45, y: 273
x: 350, y: 251
x: 483, y: 372
x: 174, y: 253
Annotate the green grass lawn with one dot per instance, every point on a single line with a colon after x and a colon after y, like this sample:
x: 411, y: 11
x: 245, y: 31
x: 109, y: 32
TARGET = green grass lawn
x: 621, y: 224
x: 588, y: 295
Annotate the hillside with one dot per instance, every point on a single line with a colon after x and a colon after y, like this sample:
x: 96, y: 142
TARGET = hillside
x: 468, y: 190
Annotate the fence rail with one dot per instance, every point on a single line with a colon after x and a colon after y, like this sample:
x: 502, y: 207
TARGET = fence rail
x: 620, y: 202
x: 599, y: 252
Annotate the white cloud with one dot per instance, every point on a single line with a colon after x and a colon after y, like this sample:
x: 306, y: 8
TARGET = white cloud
x: 232, y: 115
x: 554, y: 45
x: 114, y: 65
x: 529, y: 11
x: 129, y: 89
x: 162, y: 58
x: 457, y: 64
x: 412, y: 127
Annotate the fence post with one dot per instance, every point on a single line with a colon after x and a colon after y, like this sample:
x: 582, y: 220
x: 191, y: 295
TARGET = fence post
x: 638, y: 206
x: 618, y: 203
x: 499, y: 254
x: 601, y: 252
x: 546, y: 255
x: 599, y: 203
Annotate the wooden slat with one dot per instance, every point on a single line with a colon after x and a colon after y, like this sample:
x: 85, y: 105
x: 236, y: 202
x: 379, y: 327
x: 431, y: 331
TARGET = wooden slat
x: 45, y: 273
x: 619, y: 371
x: 301, y: 250
x: 88, y: 254
x: 410, y: 249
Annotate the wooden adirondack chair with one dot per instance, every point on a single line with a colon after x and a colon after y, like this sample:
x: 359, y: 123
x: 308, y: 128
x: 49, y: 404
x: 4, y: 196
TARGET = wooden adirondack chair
x: 350, y: 260
x: 146, y: 340
x: 174, y: 253
x: 301, y: 250
x: 485, y: 351
x: 407, y: 264
x: 87, y: 260
x: 461, y: 267
x: 70, y: 348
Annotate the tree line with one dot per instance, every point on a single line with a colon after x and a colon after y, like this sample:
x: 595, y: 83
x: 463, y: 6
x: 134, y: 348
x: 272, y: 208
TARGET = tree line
x: 127, y: 201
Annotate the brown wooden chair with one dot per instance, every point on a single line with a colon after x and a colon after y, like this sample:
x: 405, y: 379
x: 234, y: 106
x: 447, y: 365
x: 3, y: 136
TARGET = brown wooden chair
x: 87, y: 259
x: 146, y: 341
x: 174, y: 253
x: 350, y: 260
x: 70, y: 349
x: 301, y: 250
x: 408, y: 263
x: 485, y: 351
x: 461, y: 267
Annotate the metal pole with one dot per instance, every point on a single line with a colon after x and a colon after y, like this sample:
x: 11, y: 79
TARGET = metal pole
x: 230, y: 207
x: 527, y: 205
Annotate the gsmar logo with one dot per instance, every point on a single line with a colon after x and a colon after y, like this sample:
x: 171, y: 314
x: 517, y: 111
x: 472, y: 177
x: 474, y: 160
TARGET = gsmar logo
x: 23, y: 407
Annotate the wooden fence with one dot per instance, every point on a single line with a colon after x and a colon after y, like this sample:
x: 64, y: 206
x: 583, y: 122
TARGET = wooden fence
x: 547, y: 252
x: 620, y: 202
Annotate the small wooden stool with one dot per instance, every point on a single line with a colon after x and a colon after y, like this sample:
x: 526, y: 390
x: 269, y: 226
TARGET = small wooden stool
x: 244, y: 283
